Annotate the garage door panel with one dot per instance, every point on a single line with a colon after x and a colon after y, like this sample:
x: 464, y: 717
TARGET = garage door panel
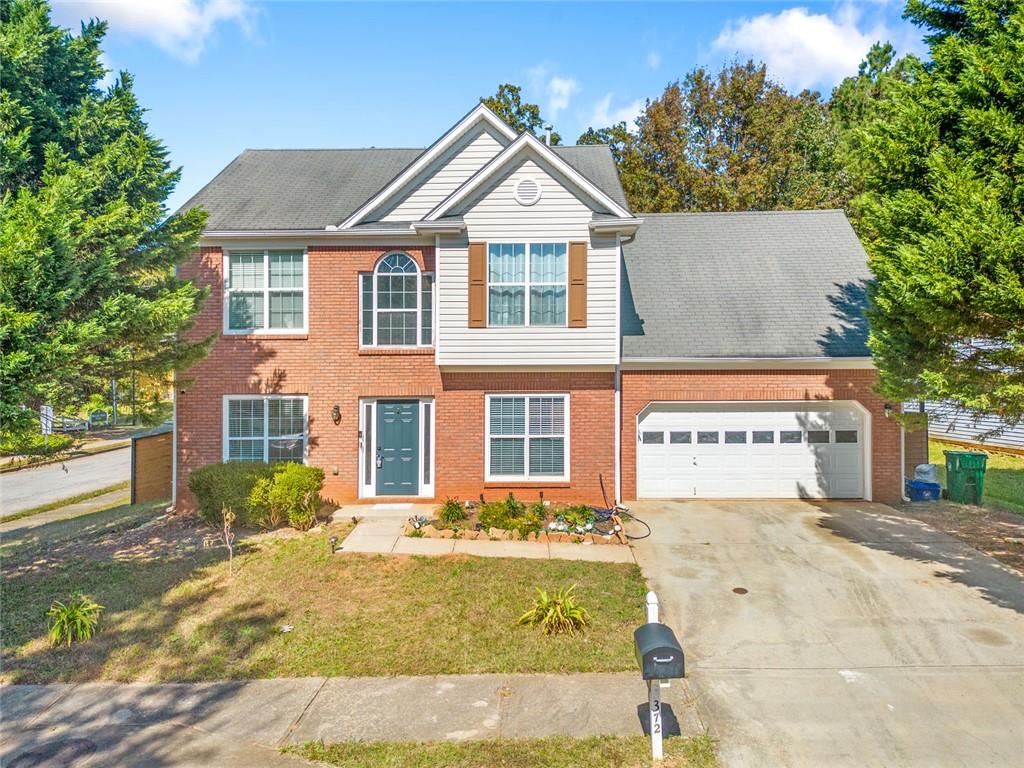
x: 748, y: 451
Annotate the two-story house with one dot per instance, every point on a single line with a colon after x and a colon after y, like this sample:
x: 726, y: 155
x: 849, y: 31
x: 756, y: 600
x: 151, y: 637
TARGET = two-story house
x: 487, y: 315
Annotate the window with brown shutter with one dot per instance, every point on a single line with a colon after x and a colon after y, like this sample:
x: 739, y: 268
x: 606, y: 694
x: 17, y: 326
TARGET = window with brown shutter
x: 578, y: 285
x: 477, y: 285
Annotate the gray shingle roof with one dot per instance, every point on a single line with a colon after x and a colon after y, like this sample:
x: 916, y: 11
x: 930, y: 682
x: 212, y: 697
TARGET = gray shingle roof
x: 778, y: 284
x: 268, y: 189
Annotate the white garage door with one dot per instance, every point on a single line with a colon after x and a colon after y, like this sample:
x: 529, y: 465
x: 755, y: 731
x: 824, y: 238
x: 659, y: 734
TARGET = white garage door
x: 750, y: 451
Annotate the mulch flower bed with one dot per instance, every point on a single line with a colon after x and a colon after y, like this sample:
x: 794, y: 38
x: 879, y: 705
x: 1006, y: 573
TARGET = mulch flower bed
x: 512, y: 520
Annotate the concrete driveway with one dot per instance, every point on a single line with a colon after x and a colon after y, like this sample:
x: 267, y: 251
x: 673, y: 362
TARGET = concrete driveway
x: 863, y: 638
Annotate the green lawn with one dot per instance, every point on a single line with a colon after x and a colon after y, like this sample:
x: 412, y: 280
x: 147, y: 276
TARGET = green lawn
x: 172, y: 612
x: 1004, y: 477
x: 51, y: 505
x: 552, y: 752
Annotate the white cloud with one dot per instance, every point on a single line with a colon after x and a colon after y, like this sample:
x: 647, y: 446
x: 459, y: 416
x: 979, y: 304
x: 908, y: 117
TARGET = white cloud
x: 180, y: 27
x: 603, y: 114
x: 557, y: 90
x: 804, y: 49
x: 653, y: 59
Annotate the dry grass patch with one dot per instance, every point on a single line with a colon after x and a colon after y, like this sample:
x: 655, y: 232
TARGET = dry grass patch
x: 552, y: 752
x: 173, y: 614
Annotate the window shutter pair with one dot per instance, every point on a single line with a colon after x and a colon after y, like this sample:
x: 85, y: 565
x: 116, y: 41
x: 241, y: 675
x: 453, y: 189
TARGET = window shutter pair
x: 577, y: 299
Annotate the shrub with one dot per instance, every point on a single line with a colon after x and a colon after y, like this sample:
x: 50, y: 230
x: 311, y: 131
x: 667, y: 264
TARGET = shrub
x: 578, y: 515
x: 33, y: 443
x: 452, y: 512
x: 557, y: 613
x: 73, y: 621
x: 229, y: 485
x: 292, y: 494
x: 501, y: 514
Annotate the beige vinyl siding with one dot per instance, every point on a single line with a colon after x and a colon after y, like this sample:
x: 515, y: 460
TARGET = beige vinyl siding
x: 495, y: 216
x: 446, y: 174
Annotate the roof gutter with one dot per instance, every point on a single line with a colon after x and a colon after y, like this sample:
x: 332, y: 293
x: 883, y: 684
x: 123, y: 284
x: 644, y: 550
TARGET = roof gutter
x: 745, y: 363
x: 450, y: 227
x: 307, y: 233
x: 625, y: 226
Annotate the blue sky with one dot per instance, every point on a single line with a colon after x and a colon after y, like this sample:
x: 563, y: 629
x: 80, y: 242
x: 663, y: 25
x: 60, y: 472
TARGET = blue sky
x: 218, y: 76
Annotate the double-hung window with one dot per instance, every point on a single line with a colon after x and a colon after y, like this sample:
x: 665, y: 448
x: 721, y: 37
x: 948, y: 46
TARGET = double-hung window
x: 265, y: 291
x: 396, y: 304
x: 527, y: 437
x: 265, y: 428
x: 527, y: 283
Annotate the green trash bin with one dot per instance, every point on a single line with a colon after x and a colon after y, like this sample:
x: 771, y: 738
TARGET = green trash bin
x: 965, y: 476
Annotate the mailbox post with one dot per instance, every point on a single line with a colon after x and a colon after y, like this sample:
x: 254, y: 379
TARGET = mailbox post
x: 660, y: 657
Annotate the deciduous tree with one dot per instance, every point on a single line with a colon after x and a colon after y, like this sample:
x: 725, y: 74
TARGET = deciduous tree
x: 507, y: 103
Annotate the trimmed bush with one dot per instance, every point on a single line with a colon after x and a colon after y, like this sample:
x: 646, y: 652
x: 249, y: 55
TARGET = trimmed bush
x: 291, y: 494
x: 229, y: 485
x: 29, y: 443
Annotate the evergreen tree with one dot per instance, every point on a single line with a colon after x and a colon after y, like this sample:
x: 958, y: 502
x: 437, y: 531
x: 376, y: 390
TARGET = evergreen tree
x: 87, y: 288
x: 943, y: 217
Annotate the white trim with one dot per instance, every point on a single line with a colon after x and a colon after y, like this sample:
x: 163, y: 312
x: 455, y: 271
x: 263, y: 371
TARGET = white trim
x: 436, y: 293
x: 866, y: 443
x: 529, y: 368
x: 527, y: 284
x: 526, y: 477
x: 724, y: 363
x: 420, y: 274
x: 226, y: 329
x: 453, y: 226
x: 903, y: 463
x: 305, y: 234
x: 546, y: 153
x: 225, y: 446
x: 479, y: 112
x: 367, y: 486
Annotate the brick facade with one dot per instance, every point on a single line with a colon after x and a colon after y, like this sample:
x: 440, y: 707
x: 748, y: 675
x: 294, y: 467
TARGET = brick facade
x: 642, y: 387
x: 328, y: 366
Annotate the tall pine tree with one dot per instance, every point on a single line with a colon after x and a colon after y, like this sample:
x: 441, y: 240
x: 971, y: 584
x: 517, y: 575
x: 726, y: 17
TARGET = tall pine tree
x: 87, y: 288
x: 943, y: 215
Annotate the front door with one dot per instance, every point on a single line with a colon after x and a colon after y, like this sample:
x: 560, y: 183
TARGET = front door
x: 397, y: 455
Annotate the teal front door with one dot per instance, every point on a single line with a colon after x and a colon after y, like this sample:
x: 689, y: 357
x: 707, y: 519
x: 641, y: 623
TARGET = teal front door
x: 397, y: 455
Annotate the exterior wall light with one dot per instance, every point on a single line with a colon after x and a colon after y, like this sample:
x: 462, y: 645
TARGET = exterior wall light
x: 336, y: 414
x: 888, y: 410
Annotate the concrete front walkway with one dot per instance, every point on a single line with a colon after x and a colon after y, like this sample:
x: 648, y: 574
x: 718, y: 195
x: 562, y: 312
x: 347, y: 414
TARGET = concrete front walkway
x: 380, y: 532
x: 840, y: 634
x: 245, y: 723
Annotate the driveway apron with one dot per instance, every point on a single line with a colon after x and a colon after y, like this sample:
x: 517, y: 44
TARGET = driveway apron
x: 840, y: 634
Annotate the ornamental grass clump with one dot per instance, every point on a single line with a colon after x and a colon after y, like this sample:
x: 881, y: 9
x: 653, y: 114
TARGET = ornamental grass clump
x: 452, y: 512
x: 557, y: 613
x: 73, y: 621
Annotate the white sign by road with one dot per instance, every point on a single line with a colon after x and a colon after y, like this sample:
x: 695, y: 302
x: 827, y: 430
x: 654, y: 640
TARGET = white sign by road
x: 46, y: 419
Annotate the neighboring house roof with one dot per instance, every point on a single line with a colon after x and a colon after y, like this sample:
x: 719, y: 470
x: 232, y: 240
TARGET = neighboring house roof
x: 285, y: 189
x: 788, y: 284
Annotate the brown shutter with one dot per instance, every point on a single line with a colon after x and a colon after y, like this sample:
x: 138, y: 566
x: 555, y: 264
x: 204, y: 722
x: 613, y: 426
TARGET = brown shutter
x: 477, y: 285
x: 577, y: 285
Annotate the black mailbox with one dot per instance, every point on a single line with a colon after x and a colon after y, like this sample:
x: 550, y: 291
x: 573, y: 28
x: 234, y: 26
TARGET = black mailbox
x: 658, y: 652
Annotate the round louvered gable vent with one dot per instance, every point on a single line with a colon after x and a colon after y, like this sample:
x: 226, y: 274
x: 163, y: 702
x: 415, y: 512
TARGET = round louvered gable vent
x: 527, y: 191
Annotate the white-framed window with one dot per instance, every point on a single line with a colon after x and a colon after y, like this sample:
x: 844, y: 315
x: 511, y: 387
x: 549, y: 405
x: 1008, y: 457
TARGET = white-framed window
x: 527, y: 283
x: 527, y: 437
x: 265, y: 291
x: 265, y: 428
x: 396, y: 304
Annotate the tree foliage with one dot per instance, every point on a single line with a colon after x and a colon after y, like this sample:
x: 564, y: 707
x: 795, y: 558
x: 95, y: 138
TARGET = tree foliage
x: 507, y: 103
x: 87, y: 289
x: 729, y: 141
x: 943, y: 215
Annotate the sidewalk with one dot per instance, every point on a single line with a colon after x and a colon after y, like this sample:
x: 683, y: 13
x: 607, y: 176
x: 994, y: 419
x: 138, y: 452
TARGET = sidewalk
x: 243, y: 723
x: 95, y: 504
x: 380, y: 532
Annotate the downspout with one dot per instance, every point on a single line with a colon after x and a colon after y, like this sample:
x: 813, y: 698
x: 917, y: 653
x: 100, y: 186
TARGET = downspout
x: 903, y: 463
x: 618, y: 371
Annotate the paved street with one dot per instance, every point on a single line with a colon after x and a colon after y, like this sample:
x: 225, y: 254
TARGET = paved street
x: 32, y: 487
x: 243, y: 723
x: 840, y: 634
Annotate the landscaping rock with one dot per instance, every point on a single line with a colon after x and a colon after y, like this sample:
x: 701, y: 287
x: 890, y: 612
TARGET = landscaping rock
x: 429, y: 531
x: 498, y: 534
x: 445, y: 533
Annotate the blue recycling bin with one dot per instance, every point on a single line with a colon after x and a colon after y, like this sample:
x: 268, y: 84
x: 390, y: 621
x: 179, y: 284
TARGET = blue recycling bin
x: 919, y: 490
